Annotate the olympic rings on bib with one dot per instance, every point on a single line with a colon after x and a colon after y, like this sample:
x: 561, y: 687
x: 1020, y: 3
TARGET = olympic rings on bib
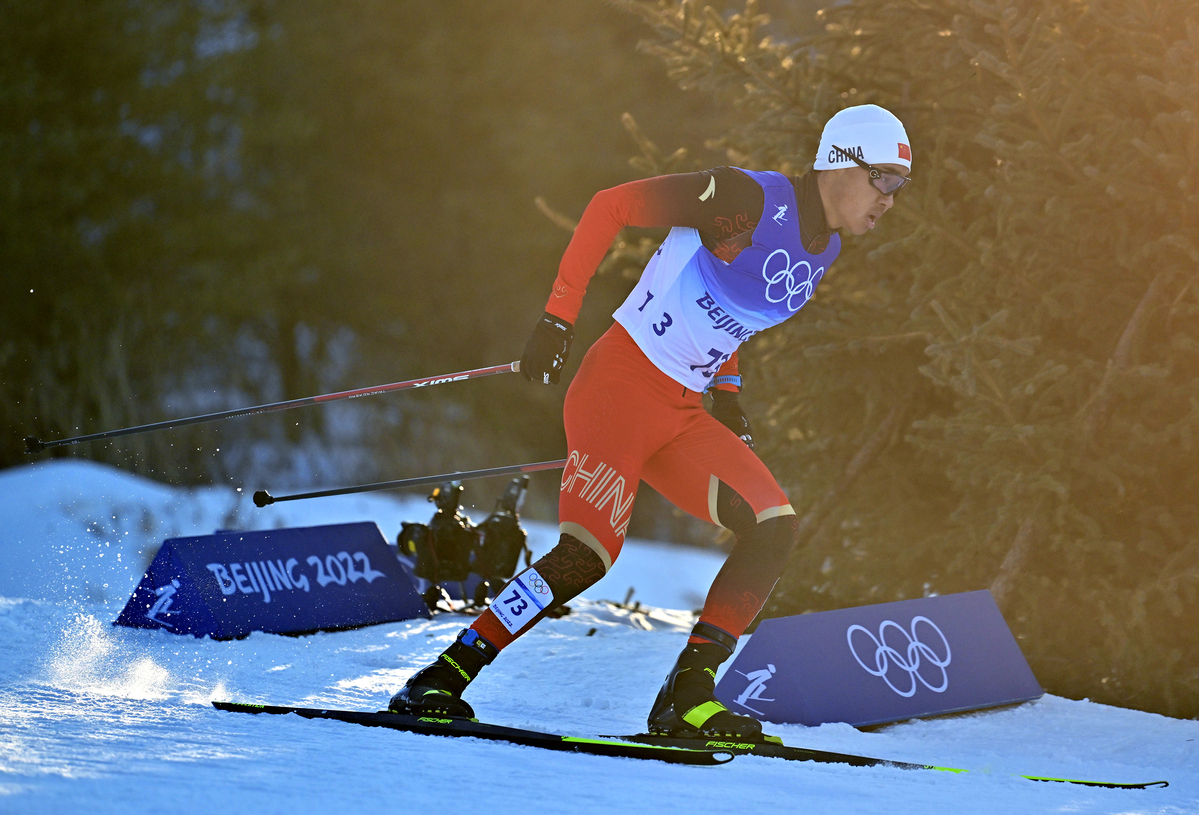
x: 791, y: 286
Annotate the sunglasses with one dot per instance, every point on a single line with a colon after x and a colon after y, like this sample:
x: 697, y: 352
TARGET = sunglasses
x: 886, y: 183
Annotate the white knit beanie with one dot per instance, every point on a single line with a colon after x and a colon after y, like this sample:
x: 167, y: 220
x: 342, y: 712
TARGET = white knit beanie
x: 871, y: 133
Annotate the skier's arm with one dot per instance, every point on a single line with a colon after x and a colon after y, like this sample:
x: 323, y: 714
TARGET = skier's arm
x: 719, y: 203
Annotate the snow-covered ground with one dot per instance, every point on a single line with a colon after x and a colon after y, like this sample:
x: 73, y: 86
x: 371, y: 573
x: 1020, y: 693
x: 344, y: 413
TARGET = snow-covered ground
x: 100, y: 719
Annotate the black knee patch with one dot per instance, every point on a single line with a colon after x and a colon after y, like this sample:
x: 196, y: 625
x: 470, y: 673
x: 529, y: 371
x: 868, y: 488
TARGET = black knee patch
x: 734, y: 512
x: 569, y: 568
x: 774, y: 538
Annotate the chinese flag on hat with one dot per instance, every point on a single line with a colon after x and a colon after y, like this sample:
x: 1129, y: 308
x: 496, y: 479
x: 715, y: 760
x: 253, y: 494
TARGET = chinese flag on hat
x: 905, y: 152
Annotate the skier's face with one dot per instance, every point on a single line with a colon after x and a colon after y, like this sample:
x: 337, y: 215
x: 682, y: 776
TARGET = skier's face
x: 851, y: 202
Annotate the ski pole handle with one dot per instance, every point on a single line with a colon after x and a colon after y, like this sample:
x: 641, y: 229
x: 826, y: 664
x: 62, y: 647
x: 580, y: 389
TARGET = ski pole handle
x: 35, y: 445
x: 263, y: 498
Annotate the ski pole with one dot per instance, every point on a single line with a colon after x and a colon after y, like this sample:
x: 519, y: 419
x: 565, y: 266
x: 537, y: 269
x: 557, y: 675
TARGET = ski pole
x: 262, y: 498
x: 35, y: 445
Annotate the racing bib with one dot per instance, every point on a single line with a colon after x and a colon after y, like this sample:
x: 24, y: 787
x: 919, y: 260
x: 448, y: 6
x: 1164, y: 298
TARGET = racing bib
x: 521, y: 600
x: 690, y: 310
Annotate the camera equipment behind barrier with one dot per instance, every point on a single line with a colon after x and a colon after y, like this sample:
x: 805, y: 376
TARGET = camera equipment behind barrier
x: 451, y: 550
x: 501, y: 541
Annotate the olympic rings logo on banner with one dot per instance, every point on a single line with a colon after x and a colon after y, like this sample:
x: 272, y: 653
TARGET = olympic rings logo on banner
x: 791, y: 288
x: 909, y: 658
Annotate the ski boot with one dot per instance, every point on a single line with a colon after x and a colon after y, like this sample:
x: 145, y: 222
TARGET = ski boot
x: 436, y: 690
x: 686, y: 706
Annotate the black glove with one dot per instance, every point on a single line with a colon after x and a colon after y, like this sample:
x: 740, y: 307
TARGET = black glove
x: 727, y: 410
x: 547, y: 350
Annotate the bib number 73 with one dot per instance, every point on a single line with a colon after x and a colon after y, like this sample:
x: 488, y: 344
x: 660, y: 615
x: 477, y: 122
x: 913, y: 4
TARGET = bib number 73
x: 712, y: 365
x: 521, y: 600
x: 515, y: 603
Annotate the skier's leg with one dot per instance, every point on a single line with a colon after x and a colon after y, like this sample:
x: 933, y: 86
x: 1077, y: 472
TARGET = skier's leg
x: 558, y: 577
x: 618, y: 411
x: 554, y: 579
x: 710, y: 473
x: 763, y: 542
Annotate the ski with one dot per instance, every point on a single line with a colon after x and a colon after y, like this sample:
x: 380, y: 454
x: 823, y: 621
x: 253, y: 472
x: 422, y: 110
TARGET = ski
x: 779, y: 750
x: 438, y: 726
x: 703, y: 752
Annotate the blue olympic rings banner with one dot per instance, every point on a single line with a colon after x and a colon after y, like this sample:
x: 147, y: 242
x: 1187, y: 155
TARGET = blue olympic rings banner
x: 882, y: 663
x: 281, y: 581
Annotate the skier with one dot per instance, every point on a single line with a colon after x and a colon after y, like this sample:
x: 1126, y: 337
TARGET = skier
x: 745, y: 253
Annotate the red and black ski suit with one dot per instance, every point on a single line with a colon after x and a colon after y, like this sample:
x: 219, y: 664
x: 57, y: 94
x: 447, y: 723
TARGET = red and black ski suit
x: 746, y: 252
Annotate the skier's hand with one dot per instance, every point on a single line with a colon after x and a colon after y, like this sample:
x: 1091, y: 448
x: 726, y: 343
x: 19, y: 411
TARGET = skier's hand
x: 547, y: 350
x: 727, y: 410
